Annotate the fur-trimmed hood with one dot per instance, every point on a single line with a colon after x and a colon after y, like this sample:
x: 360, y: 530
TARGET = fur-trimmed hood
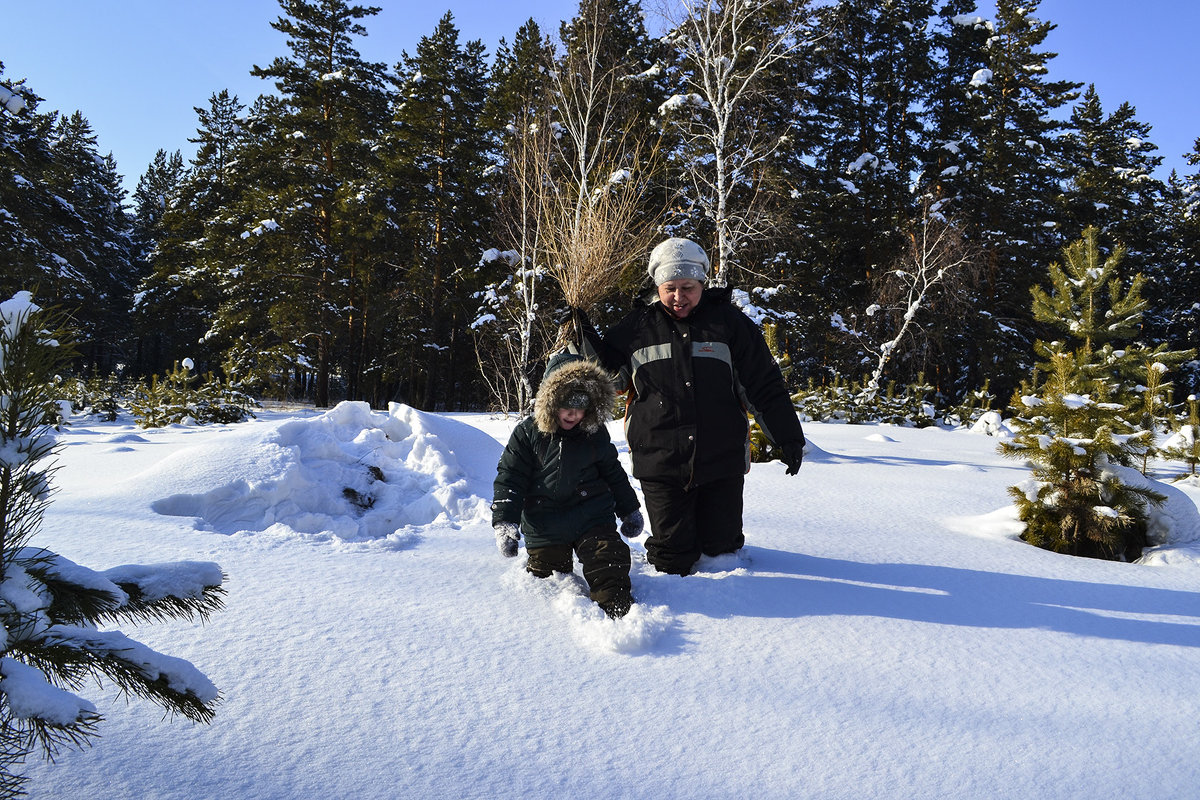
x: 567, y: 374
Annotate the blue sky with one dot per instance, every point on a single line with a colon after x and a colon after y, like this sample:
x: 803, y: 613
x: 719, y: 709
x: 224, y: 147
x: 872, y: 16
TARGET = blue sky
x: 136, y: 68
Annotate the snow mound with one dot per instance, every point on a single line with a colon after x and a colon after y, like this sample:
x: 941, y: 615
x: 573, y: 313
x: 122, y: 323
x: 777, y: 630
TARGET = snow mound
x: 1003, y: 523
x: 1176, y: 521
x: 990, y: 423
x: 351, y: 475
x: 813, y: 453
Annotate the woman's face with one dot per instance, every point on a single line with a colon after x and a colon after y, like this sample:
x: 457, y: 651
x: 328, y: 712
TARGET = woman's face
x: 680, y: 297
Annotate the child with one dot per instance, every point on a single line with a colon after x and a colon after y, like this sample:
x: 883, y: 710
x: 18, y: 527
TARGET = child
x: 559, y: 482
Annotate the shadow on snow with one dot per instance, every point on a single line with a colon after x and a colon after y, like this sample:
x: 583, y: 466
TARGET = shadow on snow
x: 785, y: 584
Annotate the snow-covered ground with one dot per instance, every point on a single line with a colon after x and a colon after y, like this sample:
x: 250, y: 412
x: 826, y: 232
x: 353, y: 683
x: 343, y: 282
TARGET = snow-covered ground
x: 883, y: 635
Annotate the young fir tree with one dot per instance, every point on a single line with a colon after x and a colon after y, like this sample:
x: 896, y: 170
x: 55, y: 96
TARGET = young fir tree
x: 1076, y: 430
x: 51, y: 609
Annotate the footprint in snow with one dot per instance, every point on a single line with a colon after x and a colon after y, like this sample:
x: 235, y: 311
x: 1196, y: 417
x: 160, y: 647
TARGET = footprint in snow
x: 567, y: 596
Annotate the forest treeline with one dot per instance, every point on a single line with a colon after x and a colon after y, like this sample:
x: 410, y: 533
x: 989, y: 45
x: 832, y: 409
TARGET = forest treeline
x: 883, y: 183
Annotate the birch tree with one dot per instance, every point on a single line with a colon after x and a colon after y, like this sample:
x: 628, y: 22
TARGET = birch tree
x: 594, y: 222
x: 727, y: 52
x: 937, y: 264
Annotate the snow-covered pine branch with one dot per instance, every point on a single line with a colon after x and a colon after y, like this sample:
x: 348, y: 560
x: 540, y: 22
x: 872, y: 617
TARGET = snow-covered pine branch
x: 51, y: 609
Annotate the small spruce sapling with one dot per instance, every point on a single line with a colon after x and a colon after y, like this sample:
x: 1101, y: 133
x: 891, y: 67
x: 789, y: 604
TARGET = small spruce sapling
x: 1076, y: 424
x: 1184, y: 444
x: 1073, y: 504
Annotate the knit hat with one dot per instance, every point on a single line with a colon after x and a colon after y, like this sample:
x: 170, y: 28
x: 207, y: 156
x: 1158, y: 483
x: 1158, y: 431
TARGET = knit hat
x: 577, y: 399
x: 678, y: 259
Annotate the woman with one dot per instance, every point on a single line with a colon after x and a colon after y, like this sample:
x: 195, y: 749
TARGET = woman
x: 697, y: 366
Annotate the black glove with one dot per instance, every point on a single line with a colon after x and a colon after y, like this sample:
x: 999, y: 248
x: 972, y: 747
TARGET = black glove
x: 561, y: 316
x: 632, y: 524
x: 793, y: 455
x: 507, y: 535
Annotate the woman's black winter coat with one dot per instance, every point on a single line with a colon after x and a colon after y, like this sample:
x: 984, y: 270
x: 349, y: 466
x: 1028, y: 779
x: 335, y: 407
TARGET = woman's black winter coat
x: 694, y: 382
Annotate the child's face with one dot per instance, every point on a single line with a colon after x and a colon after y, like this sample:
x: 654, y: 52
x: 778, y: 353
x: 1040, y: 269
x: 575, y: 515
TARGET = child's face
x: 569, y: 417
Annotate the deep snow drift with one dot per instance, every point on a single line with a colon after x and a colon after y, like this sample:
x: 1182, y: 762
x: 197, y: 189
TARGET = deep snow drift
x: 883, y: 634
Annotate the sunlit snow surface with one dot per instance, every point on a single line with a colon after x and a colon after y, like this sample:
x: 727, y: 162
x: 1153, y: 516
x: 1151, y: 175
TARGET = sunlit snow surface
x: 884, y: 633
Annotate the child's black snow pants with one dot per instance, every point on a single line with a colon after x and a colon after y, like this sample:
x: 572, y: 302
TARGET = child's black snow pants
x: 605, y: 559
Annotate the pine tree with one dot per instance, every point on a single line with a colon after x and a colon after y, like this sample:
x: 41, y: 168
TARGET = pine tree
x: 64, y: 227
x: 438, y: 155
x: 1078, y: 430
x: 157, y: 190
x: 1004, y: 192
x: 1075, y: 503
x: 156, y: 194
x: 1109, y: 164
x: 50, y: 607
x: 313, y: 164
x: 873, y: 66
x: 952, y: 155
x: 191, y: 267
x: 29, y: 226
x: 1173, y: 316
x: 520, y: 81
x: 98, y: 245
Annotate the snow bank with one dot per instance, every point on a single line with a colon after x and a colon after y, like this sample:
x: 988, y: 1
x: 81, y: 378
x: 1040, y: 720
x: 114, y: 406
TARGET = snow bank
x: 351, y: 474
x: 1175, y: 521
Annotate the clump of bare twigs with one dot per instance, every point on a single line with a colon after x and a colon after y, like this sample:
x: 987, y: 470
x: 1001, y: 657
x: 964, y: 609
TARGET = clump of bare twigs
x: 591, y: 236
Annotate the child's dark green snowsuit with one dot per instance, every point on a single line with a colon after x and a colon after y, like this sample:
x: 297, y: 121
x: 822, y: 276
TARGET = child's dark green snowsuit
x: 565, y: 487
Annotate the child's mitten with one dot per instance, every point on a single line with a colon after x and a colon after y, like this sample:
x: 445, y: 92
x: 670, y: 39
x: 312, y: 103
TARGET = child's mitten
x: 507, y: 535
